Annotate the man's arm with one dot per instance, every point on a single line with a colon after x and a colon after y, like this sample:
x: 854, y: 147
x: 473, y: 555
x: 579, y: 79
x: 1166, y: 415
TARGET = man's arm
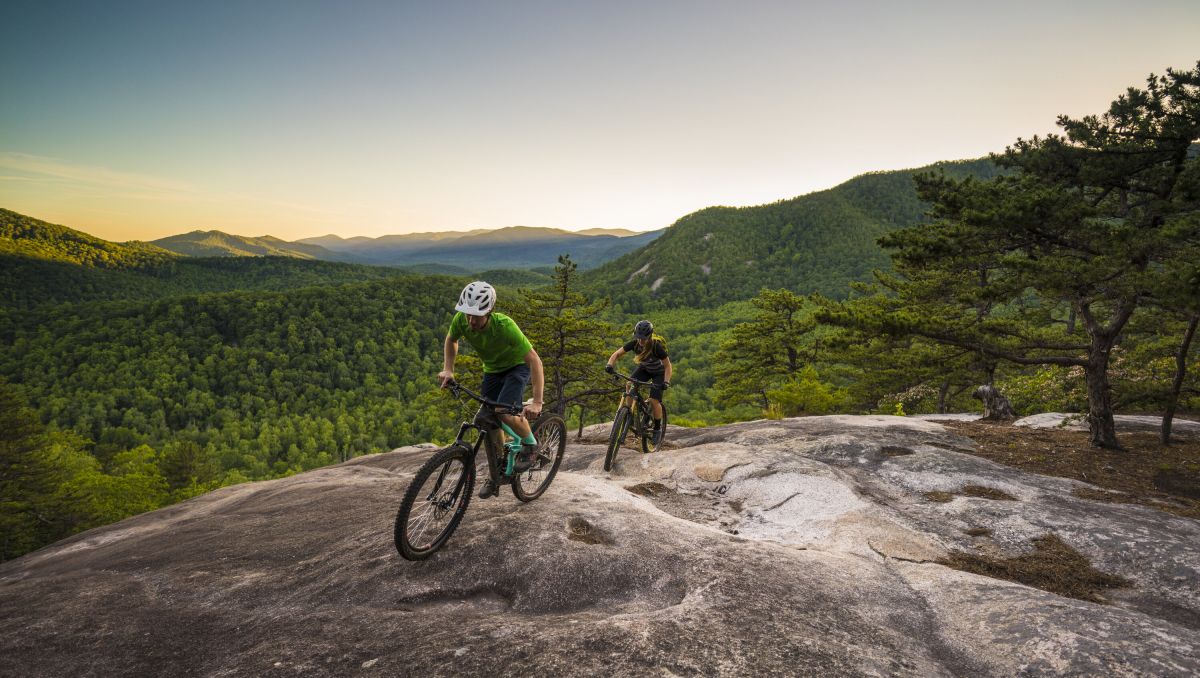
x: 534, y: 361
x: 667, y: 374
x: 449, y: 353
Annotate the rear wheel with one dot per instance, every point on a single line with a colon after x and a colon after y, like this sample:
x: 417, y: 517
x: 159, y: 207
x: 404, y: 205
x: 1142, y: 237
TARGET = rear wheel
x: 551, y: 434
x: 435, y: 502
x: 651, y: 439
x: 615, y: 437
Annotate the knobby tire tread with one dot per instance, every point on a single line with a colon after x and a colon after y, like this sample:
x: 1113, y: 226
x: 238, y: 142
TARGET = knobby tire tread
x: 431, y: 466
x: 616, y: 436
x: 647, y: 447
x: 540, y: 431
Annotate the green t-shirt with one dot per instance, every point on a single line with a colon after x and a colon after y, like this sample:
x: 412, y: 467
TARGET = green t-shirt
x: 501, y: 345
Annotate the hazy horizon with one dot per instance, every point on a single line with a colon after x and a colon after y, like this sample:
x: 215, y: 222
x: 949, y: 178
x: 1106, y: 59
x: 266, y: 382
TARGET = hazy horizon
x: 385, y: 235
x: 140, y: 120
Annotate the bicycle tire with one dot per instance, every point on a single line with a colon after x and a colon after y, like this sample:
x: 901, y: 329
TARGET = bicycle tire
x: 616, y: 436
x: 551, y: 434
x: 421, y: 505
x: 648, y: 445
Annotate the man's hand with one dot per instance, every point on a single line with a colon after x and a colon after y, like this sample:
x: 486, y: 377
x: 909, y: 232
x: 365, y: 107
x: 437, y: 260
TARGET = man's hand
x: 532, y: 411
x: 446, y: 376
x: 608, y: 368
x: 666, y: 384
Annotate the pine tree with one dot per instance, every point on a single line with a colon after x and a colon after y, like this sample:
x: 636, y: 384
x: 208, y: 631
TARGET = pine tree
x: 764, y: 354
x: 566, y: 331
x: 25, y: 478
x: 1078, y: 233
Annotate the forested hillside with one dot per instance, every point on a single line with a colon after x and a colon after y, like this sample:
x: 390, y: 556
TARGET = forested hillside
x: 263, y: 382
x: 218, y: 244
x: 819, y: 242
x: 28, y: 283
x: 22, y: 236
x: 43, y: 263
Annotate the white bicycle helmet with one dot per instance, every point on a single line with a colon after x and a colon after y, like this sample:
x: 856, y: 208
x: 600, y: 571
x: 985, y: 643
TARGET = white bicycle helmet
x: 478, y: 298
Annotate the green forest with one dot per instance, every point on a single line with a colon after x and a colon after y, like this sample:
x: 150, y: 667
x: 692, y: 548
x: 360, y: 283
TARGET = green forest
x: 1062, y: 273
x: 820, y: 242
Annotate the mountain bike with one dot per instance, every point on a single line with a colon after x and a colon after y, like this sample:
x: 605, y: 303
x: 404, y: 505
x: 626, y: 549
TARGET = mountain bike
x: 438, y: 495
x: 640, y: 419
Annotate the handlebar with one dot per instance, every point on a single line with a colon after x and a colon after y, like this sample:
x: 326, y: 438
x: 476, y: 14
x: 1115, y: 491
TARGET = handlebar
x: 459, y: 390
x: 632, y: 380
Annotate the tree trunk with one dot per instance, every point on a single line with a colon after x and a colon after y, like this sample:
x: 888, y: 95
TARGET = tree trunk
x: 995, y: 406
x: 560, y: 404
x: 582, y: 416
x: 1102, y: 430
x: 942, y: 396
x: 1177, y: 384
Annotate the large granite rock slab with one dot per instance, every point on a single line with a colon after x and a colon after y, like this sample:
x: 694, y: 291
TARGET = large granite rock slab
x: 794, y: 547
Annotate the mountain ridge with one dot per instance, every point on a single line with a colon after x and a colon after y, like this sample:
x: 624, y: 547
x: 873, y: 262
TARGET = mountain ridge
x: 214, y: 243
x: 817, y: 242
x: 25, y: 236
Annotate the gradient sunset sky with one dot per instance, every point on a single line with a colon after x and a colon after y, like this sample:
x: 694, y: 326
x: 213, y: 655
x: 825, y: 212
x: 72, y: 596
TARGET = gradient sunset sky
x: 137, y: 120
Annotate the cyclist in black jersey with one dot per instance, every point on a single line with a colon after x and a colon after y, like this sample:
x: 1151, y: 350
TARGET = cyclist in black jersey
x: 654, y: 365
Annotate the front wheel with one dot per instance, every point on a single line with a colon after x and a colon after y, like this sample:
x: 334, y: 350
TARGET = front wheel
x: 435, y: 502
x: 651, y: 439
x: 551, y: 434
x: 617, y: 436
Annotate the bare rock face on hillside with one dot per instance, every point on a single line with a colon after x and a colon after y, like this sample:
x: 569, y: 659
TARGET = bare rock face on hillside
x: 796, y: 547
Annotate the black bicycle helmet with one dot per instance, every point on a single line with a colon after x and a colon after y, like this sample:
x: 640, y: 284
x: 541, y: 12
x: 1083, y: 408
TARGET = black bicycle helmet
x: 643, y: 329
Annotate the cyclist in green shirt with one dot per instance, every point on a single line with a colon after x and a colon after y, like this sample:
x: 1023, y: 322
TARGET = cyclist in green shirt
x: 508, y: 363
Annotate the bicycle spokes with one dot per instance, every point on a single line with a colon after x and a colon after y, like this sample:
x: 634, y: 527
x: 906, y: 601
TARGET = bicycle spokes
x: 548, y: 445
x: 428, y: 519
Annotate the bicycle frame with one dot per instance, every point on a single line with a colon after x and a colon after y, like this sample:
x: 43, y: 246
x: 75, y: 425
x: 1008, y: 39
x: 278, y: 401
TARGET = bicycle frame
x: 491, y: 433
x: 439, y: 493
x: 643, y: 409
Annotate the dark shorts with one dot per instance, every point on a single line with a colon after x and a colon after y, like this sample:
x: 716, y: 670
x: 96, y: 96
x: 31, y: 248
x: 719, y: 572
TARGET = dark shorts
x: 506, y: 387
x: 656, y: 391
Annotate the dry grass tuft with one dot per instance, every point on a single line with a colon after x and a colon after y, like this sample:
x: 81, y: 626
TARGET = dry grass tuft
x: 1052, y: 566
x: 649, y: 489
x: 986, y: 493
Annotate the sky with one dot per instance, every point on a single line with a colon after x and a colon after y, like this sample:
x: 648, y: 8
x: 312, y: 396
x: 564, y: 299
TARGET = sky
x: 138, y: 120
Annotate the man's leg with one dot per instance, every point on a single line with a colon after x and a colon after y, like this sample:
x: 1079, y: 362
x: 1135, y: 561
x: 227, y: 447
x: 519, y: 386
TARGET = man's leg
x: 490, y: 389
x: 513, y: 394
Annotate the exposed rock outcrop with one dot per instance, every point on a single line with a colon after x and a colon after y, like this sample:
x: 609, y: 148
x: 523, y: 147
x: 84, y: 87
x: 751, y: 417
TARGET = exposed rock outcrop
x: 794, y: 547
x: 1127, y: 423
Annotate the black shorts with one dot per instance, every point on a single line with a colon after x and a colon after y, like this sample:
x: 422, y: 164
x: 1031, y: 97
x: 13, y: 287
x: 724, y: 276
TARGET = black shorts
x: 656, y: 391
x: 507, y: 387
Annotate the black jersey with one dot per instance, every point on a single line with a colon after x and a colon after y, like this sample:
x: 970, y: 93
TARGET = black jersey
x: 651, y: 357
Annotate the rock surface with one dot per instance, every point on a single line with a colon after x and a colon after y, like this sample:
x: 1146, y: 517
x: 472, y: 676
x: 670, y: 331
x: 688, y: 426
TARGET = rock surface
x: 794, y: 547
x: 1125, y: 423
